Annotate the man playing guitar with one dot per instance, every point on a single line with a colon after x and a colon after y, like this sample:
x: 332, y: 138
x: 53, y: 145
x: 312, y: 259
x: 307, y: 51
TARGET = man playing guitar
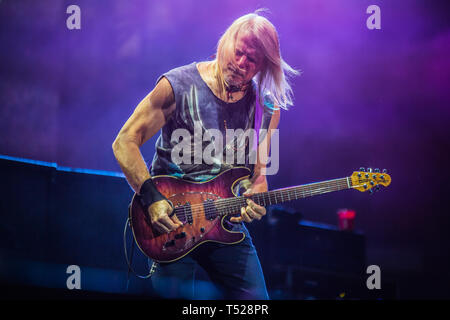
x: 247, y: 73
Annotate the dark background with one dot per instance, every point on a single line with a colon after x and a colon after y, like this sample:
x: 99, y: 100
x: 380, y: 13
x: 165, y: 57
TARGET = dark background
x: 376, y: 98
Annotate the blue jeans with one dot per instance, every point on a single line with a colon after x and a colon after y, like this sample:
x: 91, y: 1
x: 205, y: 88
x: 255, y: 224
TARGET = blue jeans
x: 234, y: 272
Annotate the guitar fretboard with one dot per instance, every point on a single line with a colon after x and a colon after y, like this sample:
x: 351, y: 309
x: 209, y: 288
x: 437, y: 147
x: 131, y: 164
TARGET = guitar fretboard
x: 233, y: 205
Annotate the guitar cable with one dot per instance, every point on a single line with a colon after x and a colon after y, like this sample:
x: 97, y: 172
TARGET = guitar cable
x: 152, y: 268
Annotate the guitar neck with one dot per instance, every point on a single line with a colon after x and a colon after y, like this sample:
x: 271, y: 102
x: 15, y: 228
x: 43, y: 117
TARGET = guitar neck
x: 233, y: 205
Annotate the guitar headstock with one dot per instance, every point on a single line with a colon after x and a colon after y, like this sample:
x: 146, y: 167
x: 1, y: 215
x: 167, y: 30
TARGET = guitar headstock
x: 369, y: 179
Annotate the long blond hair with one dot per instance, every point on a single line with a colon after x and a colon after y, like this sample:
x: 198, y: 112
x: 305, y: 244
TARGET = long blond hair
x: 273, y: 87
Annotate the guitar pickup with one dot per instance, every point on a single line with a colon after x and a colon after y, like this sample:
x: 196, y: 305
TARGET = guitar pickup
x: 169, y: 243
x: 210, y: 209
x: 180, y: 235
x: 188, y: 212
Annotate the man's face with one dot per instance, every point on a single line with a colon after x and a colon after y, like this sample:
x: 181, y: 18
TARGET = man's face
x: 248, y: 61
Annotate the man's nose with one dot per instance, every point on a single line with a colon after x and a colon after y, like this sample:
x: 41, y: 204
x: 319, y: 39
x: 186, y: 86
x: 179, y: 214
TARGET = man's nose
x: 242, y: 62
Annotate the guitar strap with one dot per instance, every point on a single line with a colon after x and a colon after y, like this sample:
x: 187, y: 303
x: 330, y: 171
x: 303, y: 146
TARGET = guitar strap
x: 261, y: 121
x: 258, y: 118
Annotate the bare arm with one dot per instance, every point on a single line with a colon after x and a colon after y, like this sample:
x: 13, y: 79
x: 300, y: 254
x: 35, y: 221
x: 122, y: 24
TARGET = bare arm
x: 258, y: 182
x: 258, y: 178
x: 147, y: 119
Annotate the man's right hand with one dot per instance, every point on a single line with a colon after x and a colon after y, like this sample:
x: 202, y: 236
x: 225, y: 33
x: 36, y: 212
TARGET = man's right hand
x: 159, y: 213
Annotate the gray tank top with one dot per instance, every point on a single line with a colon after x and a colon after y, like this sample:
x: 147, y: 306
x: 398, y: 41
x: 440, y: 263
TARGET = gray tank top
x: 198, y: 110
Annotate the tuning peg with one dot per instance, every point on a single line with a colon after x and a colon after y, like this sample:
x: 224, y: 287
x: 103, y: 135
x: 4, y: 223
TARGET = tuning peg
x: 384, y: 171
x: 377, y: 188
x: 369, y: 169
x: 377, y: 170
x: 362, y: 169
x: 370, y: 191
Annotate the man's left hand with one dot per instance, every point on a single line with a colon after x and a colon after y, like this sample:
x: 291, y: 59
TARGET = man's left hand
x: 252, y: 210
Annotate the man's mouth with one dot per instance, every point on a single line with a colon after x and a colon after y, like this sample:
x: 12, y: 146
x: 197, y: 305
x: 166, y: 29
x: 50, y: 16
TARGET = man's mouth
x: 235, y: 72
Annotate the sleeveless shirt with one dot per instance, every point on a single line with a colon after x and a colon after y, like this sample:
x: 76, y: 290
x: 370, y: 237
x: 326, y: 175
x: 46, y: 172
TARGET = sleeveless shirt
x: 198, y: 112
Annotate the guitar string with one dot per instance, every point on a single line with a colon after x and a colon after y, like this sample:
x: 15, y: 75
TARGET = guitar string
x: 338, y: 183
x: 236, y: 207
x: 272, y: 194
x: 221, y: 204
x: 260, y: 197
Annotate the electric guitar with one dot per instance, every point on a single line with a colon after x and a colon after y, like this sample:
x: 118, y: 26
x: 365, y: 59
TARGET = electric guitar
x: 203, y: 206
